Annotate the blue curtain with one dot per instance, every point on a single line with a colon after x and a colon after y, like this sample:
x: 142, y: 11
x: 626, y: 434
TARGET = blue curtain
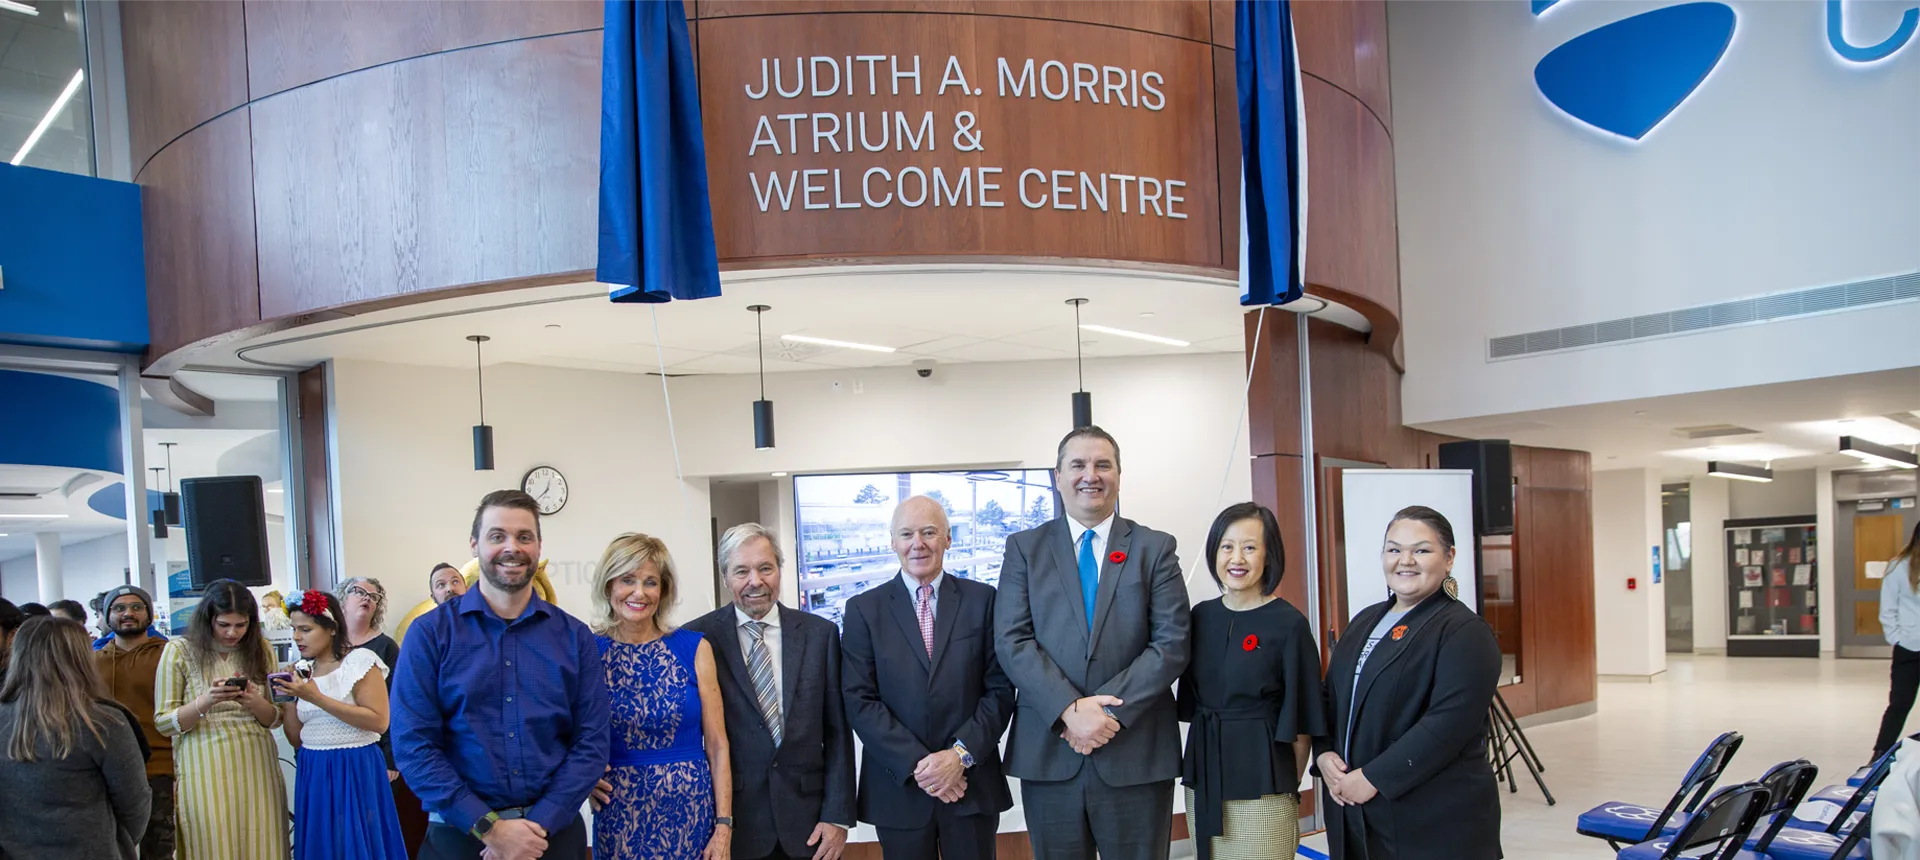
x: 656, y: 225
x: 1273, y: 154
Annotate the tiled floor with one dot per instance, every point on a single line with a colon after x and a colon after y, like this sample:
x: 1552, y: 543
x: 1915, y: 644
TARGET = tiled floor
x: 1646, y: 734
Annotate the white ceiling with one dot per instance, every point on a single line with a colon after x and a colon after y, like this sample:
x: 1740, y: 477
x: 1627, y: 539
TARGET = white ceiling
x: 1798, y: 424
x: 38, y: 57
x: 960, y: 315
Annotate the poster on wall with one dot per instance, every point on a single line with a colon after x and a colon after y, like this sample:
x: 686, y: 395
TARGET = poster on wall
x: 1370, y: 498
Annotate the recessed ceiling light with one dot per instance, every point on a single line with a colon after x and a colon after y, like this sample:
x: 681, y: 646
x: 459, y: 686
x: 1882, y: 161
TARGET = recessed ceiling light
x: 553, y: 325
x: 843, y: 344
x: 22, y: 8
x: 1150, y: 338
x: 778, y: 474
x: 1740, y: 472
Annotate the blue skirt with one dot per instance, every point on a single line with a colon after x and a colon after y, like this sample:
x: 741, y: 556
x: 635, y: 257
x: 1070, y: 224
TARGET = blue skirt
x: 343, y: 807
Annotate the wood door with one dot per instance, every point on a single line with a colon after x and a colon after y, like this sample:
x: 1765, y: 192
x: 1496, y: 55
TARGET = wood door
x: 1876, y: 538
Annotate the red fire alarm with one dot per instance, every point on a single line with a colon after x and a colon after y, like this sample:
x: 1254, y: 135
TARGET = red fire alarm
x: 1632, y: 583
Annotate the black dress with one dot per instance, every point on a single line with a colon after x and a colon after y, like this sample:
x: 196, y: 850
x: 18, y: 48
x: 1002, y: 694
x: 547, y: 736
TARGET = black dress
x: 1252, y: 686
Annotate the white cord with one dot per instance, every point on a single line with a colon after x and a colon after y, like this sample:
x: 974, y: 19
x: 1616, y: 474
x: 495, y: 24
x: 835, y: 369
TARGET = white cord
x: 1233, y: 447
x: 673, y: 440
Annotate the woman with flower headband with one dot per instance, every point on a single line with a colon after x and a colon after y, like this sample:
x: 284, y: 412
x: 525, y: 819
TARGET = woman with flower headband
x: 342, y: 806
x: 1252, y: 692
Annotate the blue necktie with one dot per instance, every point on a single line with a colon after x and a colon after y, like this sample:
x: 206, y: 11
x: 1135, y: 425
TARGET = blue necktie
x: 1089, y: 574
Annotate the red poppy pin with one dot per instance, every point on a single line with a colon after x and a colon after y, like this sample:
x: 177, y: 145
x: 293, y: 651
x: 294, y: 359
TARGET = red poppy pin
x: 1117, y: 557
x: 1399, y: 632
x: 1250, y: 643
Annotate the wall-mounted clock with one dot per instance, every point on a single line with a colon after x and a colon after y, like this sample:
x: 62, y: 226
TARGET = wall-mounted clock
x: 547, y: 487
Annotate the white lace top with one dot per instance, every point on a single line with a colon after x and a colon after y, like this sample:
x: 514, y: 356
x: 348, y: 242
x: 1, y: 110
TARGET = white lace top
x: 320, y: 730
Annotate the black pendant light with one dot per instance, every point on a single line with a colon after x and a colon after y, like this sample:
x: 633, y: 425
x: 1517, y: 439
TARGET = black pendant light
x: 156, y: 514
x: 170, y: 500
x: 482, y: 433
x: 762, y: 408
x: 1082, y: 401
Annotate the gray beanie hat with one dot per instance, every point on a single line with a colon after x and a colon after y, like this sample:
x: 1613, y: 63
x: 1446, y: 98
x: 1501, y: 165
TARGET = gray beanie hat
x: 118, y: 592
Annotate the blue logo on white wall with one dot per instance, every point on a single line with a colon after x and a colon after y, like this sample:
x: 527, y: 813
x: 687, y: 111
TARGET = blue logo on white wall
x: 1627, y: 77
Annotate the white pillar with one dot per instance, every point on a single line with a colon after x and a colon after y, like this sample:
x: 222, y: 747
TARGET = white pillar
x: 46, y: 553
x: 1631, y: 632
x: 1708, y: 499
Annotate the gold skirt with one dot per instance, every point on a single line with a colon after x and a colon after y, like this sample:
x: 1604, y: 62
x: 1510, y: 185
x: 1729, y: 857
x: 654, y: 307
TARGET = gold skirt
x: 1267, y: 828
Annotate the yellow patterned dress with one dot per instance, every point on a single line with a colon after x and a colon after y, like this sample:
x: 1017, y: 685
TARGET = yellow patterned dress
x: 230, y: 797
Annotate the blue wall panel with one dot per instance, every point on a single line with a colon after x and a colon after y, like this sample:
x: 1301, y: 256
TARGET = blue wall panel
x: 72, y: 262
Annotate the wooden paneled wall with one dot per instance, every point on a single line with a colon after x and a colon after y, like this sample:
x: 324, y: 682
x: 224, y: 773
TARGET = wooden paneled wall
x: 305, y: 157
x: 1356, y: 417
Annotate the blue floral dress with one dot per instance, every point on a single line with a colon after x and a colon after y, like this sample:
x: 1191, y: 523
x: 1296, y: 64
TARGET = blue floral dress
x: 662, y: 805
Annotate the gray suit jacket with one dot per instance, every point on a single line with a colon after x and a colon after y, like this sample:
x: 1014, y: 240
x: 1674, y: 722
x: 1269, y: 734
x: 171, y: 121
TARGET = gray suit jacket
x: 779, y: 794
x: 1136, y: 650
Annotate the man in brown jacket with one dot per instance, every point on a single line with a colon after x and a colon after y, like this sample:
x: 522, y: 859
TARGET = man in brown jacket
x: 128, y: 664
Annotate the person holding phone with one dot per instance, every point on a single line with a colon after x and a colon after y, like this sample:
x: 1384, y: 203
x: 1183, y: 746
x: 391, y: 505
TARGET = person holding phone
x: 210, y: 696
x: 343, y: 808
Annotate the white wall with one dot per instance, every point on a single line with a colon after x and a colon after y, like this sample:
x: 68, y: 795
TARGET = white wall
x: 87, y: 568
x: 1708, y: 498
x: 1631, y: 633
x: 1789, y: 494
x: 407, y: 486
x: 1787, y: 169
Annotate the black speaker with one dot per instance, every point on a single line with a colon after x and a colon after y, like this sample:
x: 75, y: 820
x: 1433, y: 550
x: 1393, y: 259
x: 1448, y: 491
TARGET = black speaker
x: 226, y: 522
x: 1492, y: 463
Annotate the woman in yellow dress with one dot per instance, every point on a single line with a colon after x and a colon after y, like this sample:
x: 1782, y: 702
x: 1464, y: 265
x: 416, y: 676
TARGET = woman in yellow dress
x: 211, y: 697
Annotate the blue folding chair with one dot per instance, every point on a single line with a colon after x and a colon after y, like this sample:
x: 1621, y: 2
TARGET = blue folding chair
x: 1717, y: 831
x: 1806, y: 838
x: 1794, y: 844
x: 1622, y: 823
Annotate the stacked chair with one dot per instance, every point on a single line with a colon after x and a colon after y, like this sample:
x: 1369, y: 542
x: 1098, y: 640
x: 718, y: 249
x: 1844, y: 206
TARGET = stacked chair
x: 1622, y: 823
x: 1773, y: 818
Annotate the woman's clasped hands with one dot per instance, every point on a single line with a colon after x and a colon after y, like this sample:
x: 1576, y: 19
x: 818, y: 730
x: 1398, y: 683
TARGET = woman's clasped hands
x: 1344, y: 787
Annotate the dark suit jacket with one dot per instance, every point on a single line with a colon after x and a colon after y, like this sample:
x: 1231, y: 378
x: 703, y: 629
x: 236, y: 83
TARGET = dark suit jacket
x: 780, y: 794
x: 1135, y: 651
x: 905, y: 706
x: 1419, y: 733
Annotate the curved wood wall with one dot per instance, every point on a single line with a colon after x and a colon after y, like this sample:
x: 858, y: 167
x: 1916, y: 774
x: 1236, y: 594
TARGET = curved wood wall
x: 309, y: 156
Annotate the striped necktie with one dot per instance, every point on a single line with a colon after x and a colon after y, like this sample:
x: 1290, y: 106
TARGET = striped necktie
x: 765, y: 687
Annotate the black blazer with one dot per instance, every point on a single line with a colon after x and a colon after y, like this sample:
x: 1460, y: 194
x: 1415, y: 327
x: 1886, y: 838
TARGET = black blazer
x: 779, y: 795
x: 905, y: 706
x: 1419, y: 733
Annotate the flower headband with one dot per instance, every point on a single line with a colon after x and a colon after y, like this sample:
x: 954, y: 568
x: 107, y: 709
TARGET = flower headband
x: 312, y: 602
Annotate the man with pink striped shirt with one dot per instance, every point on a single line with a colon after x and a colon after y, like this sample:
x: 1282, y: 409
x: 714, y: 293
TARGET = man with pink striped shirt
x: 926, y: 695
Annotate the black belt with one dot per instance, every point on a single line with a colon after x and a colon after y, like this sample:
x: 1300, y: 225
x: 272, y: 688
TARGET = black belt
x: 1210, y: 795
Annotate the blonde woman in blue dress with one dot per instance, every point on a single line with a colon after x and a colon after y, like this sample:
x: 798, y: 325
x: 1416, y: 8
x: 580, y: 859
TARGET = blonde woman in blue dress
x: 211, y: 697
x: 668, y: 794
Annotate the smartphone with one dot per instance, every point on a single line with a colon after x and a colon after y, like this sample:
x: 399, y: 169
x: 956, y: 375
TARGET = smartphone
x: 277, y: 695
x: 236, y: 682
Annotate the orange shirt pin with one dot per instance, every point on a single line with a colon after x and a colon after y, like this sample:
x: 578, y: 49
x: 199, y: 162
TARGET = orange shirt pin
x: 1399, y: 632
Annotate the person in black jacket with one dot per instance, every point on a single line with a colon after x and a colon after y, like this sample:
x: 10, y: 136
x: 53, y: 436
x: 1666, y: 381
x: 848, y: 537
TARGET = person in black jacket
x: 925, y: 693
x: 1408, y: 688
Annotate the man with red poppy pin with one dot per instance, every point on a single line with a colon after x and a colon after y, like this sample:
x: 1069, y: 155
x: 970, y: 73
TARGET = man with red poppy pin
x: 1093, y: 649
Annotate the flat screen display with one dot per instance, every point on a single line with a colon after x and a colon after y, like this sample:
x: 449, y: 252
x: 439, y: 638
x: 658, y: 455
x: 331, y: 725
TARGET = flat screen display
x: 844, y: 520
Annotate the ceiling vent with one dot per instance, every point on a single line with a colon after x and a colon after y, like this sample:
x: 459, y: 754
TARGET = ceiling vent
x: 1760, y: 309
x: 1713, y: 431
x: 784, y: 350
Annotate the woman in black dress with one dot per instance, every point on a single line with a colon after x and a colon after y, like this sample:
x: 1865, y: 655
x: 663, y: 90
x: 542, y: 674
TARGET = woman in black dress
x: 1252, y: 692
x: 1408, y: 686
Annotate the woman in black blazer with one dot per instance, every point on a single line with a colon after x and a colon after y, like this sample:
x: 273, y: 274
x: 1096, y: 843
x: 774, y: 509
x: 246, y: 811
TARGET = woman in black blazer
x: 1408, y: 689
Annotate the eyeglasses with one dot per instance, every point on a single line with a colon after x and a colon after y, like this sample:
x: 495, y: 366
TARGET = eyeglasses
x: 126, y: 609
x: 374, y: 596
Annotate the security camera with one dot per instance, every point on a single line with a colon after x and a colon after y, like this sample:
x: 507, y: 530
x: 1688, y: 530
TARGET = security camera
x: 923, y: 367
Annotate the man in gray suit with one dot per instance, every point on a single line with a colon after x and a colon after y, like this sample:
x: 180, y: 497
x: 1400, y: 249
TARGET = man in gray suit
x: 1091, y: 625
x: 791, y: 746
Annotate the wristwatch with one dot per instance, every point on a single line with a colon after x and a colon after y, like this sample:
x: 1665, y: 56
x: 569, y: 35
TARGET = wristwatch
x: 966, y: 758
x: 485, y: 825
x: 723, y: 819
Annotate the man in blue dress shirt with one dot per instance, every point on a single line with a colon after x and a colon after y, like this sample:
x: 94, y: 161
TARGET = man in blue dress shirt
x: 500, y: 716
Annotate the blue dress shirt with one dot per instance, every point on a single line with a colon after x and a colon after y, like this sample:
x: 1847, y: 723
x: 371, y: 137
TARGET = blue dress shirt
x: 491, y: 714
